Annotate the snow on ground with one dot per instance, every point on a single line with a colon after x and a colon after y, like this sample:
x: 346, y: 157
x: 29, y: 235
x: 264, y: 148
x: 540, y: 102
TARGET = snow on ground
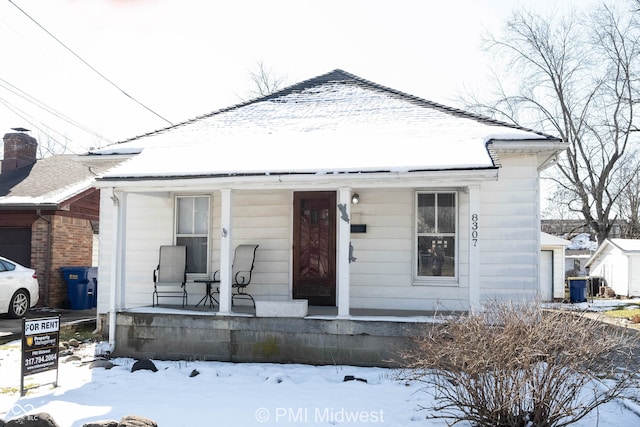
x: 230, y: 394
x: 596, y: 305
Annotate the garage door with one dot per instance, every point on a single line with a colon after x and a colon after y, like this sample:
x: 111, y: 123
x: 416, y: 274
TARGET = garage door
x: 15, y: 244
x: 546, y: 275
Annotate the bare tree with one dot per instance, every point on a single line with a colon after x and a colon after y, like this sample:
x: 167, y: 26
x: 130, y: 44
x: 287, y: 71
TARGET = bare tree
x: 578, y: 78
x: 511, y: 365
x: 265, y: 80
x: 629, y: 201
x: 48, y: 146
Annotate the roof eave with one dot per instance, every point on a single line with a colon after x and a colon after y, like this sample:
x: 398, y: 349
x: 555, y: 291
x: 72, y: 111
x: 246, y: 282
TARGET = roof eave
x: 547, y: 150
x: 30, y: 206
x: 273, y: 180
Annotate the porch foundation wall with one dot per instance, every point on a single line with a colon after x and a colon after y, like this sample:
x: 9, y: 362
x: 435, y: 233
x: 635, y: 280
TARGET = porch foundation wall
x: 274, y: 340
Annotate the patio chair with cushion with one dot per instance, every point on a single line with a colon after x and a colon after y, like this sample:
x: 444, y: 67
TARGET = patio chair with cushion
x: 242, y: 268
x: 170, y: 276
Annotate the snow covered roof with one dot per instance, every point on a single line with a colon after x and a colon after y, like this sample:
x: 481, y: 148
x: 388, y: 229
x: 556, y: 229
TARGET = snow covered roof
x: 547, y: 239
x: 51, y: 181
x: 583, y: 241
x: 627, y: 246
x: 334, y: 123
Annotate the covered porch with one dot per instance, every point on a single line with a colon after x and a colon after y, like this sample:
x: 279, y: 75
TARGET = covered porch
x: 375, y: 261
x: 378, y: 304
x: 381, y: 298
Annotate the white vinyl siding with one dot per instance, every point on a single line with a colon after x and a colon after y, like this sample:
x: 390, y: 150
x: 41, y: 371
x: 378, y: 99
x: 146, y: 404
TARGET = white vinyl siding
x: 384, y: 273
x: 149, y: 224
x: 262, y: 218
x: 509, y: 231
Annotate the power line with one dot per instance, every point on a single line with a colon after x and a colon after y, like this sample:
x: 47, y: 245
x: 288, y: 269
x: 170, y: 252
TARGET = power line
x: 34, y: 123
x: 89, y: 65
x: 24, y: 95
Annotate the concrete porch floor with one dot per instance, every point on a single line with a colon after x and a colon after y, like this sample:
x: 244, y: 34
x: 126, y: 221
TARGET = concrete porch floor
x: 317, y: 312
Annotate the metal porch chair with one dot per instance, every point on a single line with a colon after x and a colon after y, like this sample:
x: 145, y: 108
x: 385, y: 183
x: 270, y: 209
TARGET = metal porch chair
x: 170, y: 276
x: 242, y: 268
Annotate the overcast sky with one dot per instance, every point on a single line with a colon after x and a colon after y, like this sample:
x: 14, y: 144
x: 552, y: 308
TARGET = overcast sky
x: 184, y: 58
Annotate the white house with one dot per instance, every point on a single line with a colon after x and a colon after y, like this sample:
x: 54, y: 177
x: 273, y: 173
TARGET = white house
x: 618, y: 261
x: 426, y: 175
x: 578, y: 253
x: 281, y: 172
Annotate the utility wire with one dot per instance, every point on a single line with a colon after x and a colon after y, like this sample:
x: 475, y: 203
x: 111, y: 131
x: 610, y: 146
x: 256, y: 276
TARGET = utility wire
x: 34, y: 123
x: 24, y: 95
x: 89, y: 65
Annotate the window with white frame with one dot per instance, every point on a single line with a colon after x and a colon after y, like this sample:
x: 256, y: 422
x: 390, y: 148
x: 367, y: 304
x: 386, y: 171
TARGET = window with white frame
x: 436, y: 234
x: 192, y: 230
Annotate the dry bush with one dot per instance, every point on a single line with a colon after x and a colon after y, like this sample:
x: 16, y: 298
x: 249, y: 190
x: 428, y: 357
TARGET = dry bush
x: 521, y: 366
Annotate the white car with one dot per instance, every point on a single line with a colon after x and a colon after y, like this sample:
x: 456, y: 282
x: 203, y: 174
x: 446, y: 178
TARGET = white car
x: 18, y: 288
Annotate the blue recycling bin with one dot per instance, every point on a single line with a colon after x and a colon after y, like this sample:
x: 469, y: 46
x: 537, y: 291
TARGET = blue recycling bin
x: 80, y: 289
x: 578, y: 289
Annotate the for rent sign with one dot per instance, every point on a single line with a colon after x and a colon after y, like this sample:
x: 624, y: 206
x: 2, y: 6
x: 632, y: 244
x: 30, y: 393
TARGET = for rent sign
x: 40, y: 339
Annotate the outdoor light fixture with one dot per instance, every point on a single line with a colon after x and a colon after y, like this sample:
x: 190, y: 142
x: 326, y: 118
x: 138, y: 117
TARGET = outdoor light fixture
x: 355, y: 199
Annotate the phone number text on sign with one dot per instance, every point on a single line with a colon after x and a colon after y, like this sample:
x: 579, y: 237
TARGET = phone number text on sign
x: 40, y: 345
x: 40, y: 361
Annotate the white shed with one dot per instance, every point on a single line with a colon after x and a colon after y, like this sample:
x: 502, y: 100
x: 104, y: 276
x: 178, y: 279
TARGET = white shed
x: 618, y: 261
x: 552, y: 260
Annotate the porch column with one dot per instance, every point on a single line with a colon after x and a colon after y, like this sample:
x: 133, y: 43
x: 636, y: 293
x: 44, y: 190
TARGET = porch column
x: 344, y: 240
x: 118, y: 261
x: 117, y: 298
x: 475, y: 237
x: 226, y: 228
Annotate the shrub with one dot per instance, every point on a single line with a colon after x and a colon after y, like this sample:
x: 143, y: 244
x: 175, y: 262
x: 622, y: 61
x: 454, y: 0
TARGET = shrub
x: 521, y: 366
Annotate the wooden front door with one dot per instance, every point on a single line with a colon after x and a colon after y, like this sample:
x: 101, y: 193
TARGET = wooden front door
x: 314, y: 247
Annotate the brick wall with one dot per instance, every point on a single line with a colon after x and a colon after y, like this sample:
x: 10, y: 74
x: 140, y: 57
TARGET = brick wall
x: 19, y: 150
x: 39, y: 254
x: 71, y: 245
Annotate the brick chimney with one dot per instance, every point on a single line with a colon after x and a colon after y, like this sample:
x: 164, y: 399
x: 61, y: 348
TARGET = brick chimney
x: 19, y: 151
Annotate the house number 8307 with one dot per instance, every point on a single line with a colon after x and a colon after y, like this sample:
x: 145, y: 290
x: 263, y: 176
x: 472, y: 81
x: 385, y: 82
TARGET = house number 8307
x: 474, y: 229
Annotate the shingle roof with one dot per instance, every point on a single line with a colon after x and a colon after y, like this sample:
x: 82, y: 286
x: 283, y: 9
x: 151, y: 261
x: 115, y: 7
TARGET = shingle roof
x: 51, y: 180
x: 336, y: 122
x: 340, y: 77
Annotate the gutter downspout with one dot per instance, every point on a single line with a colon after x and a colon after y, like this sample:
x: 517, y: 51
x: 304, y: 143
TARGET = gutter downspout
x: 47, y: 264
x: 114, y: 271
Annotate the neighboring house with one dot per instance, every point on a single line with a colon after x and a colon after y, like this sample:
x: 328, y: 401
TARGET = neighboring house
x: 552, y: 263
x: 580, y: 247
x: 49, y: 212
x: 578, y: 253
x: 618, y: 261
x: 433, y: 183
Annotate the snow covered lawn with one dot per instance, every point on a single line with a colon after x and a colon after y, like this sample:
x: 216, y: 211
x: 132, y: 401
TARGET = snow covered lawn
x: 230, y: 394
